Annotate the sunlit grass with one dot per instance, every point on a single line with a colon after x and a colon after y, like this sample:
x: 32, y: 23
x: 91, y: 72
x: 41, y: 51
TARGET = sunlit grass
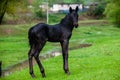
x: 98, y: 62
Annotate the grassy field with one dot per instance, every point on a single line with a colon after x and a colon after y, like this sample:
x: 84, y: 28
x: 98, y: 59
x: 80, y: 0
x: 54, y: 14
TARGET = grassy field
x: 14, y: 44
x: 101, y: 61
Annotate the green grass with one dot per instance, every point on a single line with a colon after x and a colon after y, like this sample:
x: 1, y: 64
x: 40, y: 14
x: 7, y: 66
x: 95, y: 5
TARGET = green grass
x: 101, y: 61
x: 14, y: 45
x: 98, y: 62
x: 14, y: 50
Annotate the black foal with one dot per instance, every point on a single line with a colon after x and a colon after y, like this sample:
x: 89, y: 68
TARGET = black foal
x: 40, y: 33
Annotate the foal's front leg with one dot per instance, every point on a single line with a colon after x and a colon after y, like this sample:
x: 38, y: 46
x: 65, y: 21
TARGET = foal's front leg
x: 64, y: 46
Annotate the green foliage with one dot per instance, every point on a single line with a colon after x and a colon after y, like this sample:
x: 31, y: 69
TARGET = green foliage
x: 55, y: 1
x: 38, y: 12
x: 2, y: 5
x: 97, y: 10
x: 63, y: 1
x: 14, y: 6
x: 11, y: 7
x: 73, y: 1
x: 112, y: 11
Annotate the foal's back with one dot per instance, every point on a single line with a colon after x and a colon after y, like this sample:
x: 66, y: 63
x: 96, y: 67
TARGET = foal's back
x: 52, y: 33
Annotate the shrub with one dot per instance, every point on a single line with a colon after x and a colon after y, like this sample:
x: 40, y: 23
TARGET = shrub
x: 112, y: 12
x: 39, y: 14
x: 96, y: 10
x: 37, y: 11
x: 99, y: 10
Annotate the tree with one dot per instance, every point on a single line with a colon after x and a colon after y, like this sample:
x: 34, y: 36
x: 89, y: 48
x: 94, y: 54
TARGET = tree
x: 112, y: 11
x: 3, y: 7
x: 10, y: 7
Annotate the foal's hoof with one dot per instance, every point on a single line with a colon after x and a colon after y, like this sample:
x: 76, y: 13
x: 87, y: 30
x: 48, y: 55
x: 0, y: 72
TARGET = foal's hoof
x: 33, y: 76
x: 68, y: 73
x: 43, y: 75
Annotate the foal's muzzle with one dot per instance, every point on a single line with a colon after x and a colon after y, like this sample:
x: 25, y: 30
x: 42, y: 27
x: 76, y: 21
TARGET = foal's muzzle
x: 76, y: 25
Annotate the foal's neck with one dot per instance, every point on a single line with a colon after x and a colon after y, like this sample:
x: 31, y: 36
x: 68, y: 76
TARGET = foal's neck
x: 67, y: 22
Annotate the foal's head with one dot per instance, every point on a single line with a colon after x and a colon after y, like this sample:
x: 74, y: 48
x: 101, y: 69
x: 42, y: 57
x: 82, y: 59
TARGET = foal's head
x: 74, y: 16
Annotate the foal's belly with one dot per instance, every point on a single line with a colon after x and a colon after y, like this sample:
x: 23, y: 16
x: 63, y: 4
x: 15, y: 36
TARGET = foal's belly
x: 54, y: 39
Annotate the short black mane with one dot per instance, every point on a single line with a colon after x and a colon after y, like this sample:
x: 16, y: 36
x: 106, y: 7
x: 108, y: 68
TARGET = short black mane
x: 66, y: 19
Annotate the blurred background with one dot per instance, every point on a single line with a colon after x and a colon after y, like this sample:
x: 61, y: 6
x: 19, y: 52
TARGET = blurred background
x: 25, y: 11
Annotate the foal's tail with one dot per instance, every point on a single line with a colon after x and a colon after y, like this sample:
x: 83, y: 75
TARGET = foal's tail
x: 40, y: 29
x: 31, y: 37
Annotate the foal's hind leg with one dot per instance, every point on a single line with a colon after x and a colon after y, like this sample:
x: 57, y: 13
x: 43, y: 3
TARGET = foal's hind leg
x: 30, y: 56
x: 36, y: 55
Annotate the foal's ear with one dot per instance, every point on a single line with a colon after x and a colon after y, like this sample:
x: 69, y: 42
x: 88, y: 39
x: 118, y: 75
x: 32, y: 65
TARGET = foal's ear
x: 70, y: 10
x: 76, y: 9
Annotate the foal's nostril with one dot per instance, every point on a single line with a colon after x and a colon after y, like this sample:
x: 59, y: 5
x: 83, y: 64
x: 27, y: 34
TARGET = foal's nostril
x: 75, y: 24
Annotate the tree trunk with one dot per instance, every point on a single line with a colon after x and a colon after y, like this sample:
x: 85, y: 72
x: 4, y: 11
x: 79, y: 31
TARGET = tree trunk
x: 3, y: 11
x: 1, y: 17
